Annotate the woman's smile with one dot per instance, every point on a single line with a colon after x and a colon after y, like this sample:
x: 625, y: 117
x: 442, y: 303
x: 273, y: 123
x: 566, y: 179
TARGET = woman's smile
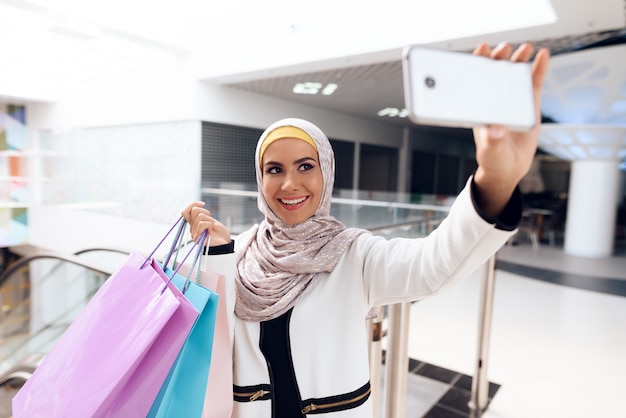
x: 293, y: 203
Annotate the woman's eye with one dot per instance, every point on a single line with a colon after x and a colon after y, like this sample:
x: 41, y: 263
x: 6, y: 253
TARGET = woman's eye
x: 305, y: 167
x: 273, y: 170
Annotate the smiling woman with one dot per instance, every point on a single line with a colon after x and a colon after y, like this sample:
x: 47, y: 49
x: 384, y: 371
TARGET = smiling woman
x: 304, y: 283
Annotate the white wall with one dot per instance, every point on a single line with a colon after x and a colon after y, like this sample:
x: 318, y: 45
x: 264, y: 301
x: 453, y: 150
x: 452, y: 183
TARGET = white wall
x: 68, y: 230
x: 161, y: 93
x: 171, y: 94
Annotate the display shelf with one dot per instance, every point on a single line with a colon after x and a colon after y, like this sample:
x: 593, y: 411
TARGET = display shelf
x: 11, y: 205
x: 23, y: 179
x: 31, y: 152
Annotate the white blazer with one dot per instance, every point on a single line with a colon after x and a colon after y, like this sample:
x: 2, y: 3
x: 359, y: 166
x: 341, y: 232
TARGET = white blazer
x: 327, y: 327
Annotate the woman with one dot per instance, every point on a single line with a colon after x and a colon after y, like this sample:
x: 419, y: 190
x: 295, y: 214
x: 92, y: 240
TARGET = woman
x: 304, y: 282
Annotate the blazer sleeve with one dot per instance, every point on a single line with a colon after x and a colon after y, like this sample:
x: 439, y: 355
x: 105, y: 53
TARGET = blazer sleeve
x: 408, y: 269
x: 223, y: 262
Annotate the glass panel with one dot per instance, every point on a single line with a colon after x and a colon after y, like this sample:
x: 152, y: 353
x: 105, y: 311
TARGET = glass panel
x: 39, y: 301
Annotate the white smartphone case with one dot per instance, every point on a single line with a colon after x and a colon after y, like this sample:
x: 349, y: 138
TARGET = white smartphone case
x: 457, y: 89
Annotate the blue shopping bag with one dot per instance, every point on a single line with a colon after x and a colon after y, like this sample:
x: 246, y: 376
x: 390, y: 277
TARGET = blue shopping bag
x: 184, y: 390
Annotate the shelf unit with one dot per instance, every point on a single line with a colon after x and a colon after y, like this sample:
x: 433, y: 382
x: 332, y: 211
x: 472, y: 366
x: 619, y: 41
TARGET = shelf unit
x: 20, y: 177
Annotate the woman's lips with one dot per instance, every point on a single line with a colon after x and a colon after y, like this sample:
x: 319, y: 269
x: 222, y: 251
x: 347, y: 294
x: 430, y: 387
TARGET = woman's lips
x: 293, y: 203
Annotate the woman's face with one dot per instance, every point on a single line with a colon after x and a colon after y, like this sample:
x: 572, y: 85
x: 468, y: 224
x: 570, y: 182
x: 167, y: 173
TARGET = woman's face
x: 292, y: 179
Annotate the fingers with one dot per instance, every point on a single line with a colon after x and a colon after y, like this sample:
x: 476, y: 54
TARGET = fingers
x: 482, y: 49
x: 502, y: 51
x: 523, y: 53
x: 540, y: 67
x: 187, y: 211
x: 198, y: 218
x: 539, y: 71
x: 202, y: 222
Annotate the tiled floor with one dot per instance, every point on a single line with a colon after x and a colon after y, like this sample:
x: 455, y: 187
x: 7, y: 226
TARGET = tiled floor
x: 557, y: 342
x: 437, y: 392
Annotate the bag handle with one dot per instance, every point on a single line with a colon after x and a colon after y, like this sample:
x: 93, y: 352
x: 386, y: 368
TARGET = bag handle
x: 199, y: 260
x: 164, y: 238
x: 179, y: 236
x: 202, y: 239
x: 176, y: 246
x: 200, y: 243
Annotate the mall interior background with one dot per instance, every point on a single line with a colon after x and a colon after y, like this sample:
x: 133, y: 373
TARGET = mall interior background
x: 103, y: 126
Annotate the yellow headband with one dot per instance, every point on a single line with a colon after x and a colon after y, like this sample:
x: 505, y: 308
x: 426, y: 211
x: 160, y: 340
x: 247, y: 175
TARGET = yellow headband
x: 284, y: 132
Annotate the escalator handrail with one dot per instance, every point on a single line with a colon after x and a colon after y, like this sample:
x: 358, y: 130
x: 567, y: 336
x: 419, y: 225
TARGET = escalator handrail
x: 20, y: 373
x: 111, y: 250
x: 51, y: 255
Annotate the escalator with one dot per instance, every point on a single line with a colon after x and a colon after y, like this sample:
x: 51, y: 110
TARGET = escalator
x: 59, y: 286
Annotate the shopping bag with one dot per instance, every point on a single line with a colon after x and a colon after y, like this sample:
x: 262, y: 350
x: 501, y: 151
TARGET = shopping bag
x: 182, y: 393
x: 113, y: 358
x: 218, y: 398
x: 218, y: 402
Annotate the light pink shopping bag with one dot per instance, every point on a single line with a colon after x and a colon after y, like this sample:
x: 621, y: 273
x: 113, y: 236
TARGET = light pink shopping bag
x: 218, y: 402
x: 113, y: 358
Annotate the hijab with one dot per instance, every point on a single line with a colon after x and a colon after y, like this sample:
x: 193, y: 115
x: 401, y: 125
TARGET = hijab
x: 280, y: 263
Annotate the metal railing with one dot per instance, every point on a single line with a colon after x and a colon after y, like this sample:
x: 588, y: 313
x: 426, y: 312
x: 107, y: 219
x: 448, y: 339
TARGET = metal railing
x: 393, y: 399
x: 480, y: 385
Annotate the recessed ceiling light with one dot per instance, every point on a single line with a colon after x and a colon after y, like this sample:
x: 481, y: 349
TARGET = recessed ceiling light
x: 329, y: 89
x: 310, y: 87
x: 393, y: 112
x: 307, y: 88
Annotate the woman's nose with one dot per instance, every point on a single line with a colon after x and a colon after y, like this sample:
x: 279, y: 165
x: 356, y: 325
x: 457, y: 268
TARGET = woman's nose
x: 290, y: 182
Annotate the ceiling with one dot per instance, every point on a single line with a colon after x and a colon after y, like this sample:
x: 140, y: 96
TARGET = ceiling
x: 48, y: 47
x: 369, y: 83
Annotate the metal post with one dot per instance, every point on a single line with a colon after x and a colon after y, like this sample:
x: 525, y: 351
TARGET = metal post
x: 397, y: 360
x: 375, y: 331
x: 480, y: 385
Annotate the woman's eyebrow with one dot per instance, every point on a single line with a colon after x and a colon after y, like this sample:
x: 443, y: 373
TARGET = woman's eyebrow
x: 301, y: 160
x: 273, y: 163
x: 298, y: 161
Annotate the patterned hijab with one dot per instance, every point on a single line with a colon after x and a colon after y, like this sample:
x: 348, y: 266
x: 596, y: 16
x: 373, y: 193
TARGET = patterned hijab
x: 280, y: 262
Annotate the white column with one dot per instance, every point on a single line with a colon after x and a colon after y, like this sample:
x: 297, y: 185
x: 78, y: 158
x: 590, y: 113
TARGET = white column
x: 592, y: 208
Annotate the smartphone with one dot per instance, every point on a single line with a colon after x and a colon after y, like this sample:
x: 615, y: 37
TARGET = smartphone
x: 456, y: 89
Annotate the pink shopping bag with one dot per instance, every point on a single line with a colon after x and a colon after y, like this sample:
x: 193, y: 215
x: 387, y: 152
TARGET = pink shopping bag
x: 218, y: 402
x: 115, y: 355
